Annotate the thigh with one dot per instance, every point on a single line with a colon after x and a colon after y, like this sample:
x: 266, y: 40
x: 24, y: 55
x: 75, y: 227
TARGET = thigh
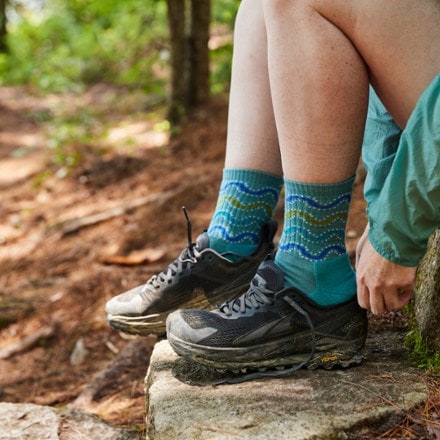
x: 399, y: 41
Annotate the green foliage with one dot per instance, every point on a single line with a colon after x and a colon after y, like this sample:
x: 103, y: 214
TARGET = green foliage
x: 68, y: 135
x: 223, y: 14
x: 221, y: 61
x: 80, y: 42
x: 71, y: 44
x: 224, y: 11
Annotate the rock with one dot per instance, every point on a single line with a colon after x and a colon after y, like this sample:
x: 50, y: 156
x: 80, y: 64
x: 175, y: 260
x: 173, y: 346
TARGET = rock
x: 309, y: 404
x: 28, y: 421
x: 79, y: 353
x: 427, y: 307
x: 124, y: 369
x: 35, y: 422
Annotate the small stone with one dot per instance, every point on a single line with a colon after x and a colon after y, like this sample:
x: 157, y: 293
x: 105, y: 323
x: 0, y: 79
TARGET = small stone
x: 79, y: 353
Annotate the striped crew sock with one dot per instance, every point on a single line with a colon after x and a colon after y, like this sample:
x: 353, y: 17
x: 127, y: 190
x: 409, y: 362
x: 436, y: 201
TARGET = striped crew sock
x: 312, y: 250
x: 247, y: 199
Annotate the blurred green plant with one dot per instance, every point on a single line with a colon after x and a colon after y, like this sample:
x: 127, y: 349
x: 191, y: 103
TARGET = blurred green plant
x: 68, y: 135
x: 70, y: 44
x: 223, y: 14
x: 78, y: 42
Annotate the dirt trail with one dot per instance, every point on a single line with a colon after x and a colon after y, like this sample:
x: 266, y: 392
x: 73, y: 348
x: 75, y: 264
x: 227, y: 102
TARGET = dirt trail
x: 51, y: 279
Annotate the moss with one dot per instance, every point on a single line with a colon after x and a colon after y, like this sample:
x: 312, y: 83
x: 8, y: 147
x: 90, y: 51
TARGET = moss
x: 423, y: 338
x: 424, y: 356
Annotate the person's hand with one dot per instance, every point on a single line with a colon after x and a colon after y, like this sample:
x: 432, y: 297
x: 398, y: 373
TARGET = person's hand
x: 383, y: 286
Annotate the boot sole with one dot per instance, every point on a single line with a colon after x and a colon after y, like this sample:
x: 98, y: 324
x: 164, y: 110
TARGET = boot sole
x: 329, y: 353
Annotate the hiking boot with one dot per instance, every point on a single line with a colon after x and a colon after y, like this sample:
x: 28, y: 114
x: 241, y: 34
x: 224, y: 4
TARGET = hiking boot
x: 270, y: 329
x: 199, y: 278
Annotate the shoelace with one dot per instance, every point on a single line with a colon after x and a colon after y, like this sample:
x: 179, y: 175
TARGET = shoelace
x: 253, y: 298
x: 278, y: 372
x: 189, y: 256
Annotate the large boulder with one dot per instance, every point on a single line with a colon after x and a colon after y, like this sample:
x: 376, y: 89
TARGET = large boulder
x: 427, y: 304
x: 182, y: 403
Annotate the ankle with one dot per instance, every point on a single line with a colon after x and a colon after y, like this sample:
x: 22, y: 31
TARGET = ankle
x: 327, y: 282
x: 231, y: 251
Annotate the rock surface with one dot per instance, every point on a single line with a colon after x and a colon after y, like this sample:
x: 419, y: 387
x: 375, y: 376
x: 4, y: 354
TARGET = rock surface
x: 428, y: 294
x: 35, y: 422
x: 307, y: 405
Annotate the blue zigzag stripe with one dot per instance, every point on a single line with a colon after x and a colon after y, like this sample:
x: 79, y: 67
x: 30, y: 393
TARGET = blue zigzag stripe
x: 310, y: 256
x: 242, y: 222
x: 315, y: 204
x: 248, y: 191
x: 315, y: 237
x: 236, y: 238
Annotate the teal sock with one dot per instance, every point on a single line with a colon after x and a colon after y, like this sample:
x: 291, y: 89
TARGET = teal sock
x: 312, y: 250
x: 247, y: 199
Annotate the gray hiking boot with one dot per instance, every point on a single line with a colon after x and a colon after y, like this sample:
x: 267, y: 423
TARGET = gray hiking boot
x: 271, y: 330
x: 199, y: 278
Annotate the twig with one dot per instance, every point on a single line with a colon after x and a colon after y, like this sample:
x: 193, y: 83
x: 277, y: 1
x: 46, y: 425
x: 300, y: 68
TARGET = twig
x: 73, y: 225
x: 26, y: 343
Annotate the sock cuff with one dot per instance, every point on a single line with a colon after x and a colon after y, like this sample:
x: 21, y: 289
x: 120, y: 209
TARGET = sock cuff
x: 319, y: 189
x: 253, y: 177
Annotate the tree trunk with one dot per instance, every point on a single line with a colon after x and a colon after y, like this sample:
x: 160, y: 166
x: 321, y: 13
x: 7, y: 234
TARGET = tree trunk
x: 176, y: 22
x: 198, y: 87
x: 427, y: 307
x: 189, y: 22
x: 3, y: 31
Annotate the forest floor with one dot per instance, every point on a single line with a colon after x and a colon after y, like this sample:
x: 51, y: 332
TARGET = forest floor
x: 87, y: 215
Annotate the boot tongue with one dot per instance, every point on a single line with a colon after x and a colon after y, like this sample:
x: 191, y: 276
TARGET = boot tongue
x: 269, y: 276
x: 202, y: 242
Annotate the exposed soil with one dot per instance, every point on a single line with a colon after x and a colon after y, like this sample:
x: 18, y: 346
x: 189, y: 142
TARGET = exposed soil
x: 55, y: 257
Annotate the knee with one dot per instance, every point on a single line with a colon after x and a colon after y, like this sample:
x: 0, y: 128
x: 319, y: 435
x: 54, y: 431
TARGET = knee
x: 280, y: 9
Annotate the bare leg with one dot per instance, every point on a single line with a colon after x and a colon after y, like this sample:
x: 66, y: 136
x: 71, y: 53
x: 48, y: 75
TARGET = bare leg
x: 398, y: 40
x: 252, y: 177
x: 319, y: 86
x: 400, y: 43
x: 336, y: 43
x: 319, y: 89
x: 252, y: 138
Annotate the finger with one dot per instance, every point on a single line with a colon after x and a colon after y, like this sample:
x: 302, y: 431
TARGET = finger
x: 377, y: 303
x: 393, y: 302
x: 397, y: 300
x: 404, y: 297
x: 363, y: 296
